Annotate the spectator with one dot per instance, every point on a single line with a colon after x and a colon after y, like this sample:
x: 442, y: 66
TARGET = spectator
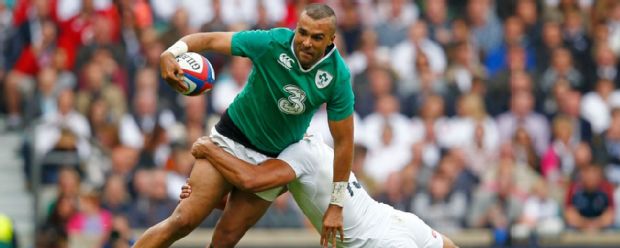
x: 91, y: 221
x: 153, y: 204
x: 350, y: 26
x: 501, y: 86
x: 472, y: 122
x: 570, y: 107
x: 605, y: 66
x: 541, y: 214
x: 179, y: 27
x: 144, y: 120
x: 610, y: 147
x: 54, y: 232
x: 230, y: 84
x: 393, y: 19
x: 116, y: 197
x: 437, y: 16
x: 485, y: 24
x: 441, y: 206
x: 497, y: 209
x: 425, y: 131
x: 589, y: 202
x: 380, y: 83
x: 521, y: 114
x: 67, y: 130
x: 596, y: 105
x: 528, y: 12
x: 367, y: 55
x: 394, y: 192
x: 195, y: 115
x: 524, y: 151
x: 406, y: 54
x: 199, y: 12
x: 558, y: 162
x: 513, y: 36
x: 179, y: 166
x: 96, y: 85
x: 583, y: 158
x: 381, y: 129
x: 19, y: 82
x: 282, y: 214
x: 551, y: 40
x: 121, y: 234
x: 576, y: 39
x: 464, y: 68
x: 43, y: 103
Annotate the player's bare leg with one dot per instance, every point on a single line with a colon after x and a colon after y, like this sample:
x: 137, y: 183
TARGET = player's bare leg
x: 242, y: 211
x: 208, y: 188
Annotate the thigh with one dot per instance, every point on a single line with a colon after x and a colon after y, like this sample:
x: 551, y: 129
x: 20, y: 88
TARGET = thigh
x: 245, y: 154
x: 242, y: 211
x: 208, y: 188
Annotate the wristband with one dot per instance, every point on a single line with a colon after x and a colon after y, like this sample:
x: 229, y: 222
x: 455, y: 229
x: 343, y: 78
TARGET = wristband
x: 178, y: 48
x: 339, y: 193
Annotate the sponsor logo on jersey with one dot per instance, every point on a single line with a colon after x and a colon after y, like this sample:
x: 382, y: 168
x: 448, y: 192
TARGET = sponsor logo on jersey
x: 285, y: 61
x: 294, y: 103
x: 322, y: 79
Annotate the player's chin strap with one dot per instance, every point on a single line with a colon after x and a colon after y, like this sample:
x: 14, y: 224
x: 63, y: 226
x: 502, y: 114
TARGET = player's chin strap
x: 180, y: 47
x: 339, y: 193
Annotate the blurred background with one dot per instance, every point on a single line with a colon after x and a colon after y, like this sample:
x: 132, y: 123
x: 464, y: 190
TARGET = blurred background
x: 496, y: 122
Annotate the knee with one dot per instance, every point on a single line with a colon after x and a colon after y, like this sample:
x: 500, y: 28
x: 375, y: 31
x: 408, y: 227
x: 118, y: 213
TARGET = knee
x: 181, y: 225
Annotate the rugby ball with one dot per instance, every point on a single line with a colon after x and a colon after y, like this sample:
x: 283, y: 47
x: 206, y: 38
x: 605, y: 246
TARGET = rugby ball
x: 198, y: 73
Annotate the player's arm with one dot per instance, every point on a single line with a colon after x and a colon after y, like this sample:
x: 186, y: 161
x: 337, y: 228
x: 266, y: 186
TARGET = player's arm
x: 245, y: 176
x: 209, y: 41
x: 342, y: 132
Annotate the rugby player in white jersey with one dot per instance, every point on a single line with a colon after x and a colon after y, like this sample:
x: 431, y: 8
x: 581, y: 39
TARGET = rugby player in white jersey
x: 306, y: 168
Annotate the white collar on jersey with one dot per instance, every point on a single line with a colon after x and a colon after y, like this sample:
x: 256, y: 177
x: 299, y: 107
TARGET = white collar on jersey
x: 334, y: 48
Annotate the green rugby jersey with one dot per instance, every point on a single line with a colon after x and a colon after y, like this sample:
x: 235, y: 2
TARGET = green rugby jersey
x: 274, y: 109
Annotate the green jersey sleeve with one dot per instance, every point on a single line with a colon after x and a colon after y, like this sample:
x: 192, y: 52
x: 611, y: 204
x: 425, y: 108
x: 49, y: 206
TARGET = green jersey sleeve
x: 251, y: 44
x: 340, y: 106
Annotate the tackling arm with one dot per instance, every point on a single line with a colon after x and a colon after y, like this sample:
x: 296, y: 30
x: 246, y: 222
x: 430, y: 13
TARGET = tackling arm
x: 245, y: 176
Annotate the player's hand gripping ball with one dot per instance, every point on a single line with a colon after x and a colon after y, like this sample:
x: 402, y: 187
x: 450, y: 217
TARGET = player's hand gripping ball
x: 198, y: 73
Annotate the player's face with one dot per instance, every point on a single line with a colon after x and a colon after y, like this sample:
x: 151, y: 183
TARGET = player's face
x: 312, y: 38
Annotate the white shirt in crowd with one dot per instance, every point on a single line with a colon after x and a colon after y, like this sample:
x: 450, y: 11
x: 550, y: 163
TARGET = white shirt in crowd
x: 48, y: 133
x: 597, y: 111
x: 224, y: 92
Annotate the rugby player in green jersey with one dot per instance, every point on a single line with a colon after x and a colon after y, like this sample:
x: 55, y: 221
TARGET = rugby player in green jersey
x: 294, y: 73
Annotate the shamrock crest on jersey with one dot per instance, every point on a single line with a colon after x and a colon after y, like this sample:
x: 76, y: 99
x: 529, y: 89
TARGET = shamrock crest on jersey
x: 322, y: 79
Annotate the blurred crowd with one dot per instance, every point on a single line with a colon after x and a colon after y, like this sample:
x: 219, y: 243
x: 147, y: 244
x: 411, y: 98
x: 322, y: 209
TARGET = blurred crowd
x: 471, y: 114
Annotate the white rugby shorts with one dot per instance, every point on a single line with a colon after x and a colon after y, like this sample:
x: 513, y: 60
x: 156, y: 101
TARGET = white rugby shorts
x: 245, y: 154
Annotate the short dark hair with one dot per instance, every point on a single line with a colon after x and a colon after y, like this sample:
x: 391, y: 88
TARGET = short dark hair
x: 319, y: 11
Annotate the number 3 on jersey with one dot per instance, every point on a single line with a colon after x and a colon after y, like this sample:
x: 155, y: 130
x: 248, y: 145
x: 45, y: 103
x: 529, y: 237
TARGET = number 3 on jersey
x: 293, y: 104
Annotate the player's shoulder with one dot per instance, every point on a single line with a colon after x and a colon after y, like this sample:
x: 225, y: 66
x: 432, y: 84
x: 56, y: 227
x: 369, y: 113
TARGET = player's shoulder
x: 283, y: 36
x: 340, y: 67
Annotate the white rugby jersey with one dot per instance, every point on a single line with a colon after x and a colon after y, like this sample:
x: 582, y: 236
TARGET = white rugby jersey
x: 365, y: 220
